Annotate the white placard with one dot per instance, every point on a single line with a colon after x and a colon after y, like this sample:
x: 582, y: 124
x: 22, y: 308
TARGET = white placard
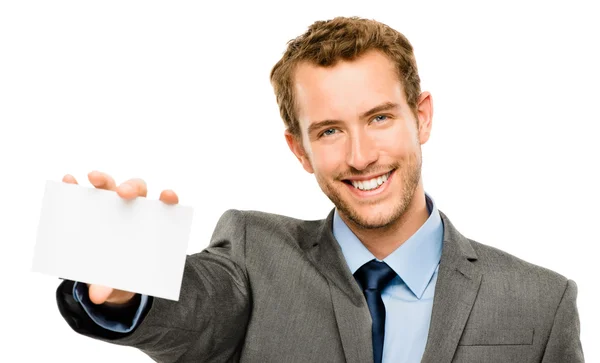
x: 95, y: 236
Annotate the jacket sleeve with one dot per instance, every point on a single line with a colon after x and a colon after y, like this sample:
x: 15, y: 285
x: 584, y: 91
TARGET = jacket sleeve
x: 207, y: 323
x: 121, y: 319
x: 564, y: 344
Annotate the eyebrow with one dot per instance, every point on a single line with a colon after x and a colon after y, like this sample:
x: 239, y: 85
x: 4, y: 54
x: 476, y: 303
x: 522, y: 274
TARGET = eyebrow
x: 321, y: 124
x: 379, y: 108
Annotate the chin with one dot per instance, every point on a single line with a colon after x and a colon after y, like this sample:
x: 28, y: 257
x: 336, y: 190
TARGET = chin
x: 379, y: 212
x: 371, y: 217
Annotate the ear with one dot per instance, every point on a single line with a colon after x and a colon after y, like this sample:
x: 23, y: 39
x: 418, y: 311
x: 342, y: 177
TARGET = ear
x: 425, y: 116
x: 295, y: 145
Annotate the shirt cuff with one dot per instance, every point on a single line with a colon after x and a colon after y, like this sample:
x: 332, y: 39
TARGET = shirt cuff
x: 117, y: 319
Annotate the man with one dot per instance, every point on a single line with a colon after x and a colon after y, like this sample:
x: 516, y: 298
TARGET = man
x: 384, y: 278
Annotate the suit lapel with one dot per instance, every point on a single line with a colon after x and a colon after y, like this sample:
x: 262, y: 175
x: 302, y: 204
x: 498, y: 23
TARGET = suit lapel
x: 349, y: 305
x: 455, y: 292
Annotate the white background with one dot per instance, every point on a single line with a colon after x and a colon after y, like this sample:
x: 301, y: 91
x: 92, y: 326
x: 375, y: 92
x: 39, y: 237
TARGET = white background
x: 178, y: 93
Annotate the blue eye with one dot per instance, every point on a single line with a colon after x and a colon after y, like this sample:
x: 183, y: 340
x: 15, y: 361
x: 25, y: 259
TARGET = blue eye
x: 328, y: 132
x: 380, y: 118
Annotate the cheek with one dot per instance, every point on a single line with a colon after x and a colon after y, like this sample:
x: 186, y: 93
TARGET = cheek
x: 403, y: 148
x: 397, y: 142
x: 328, y: 159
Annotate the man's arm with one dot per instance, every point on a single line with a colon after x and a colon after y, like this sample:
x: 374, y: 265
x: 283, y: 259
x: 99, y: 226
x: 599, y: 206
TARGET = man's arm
x: 564, y: 344
x: 209, y: 320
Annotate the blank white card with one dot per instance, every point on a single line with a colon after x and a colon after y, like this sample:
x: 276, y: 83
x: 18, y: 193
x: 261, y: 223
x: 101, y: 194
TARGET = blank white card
x: 95, y: 236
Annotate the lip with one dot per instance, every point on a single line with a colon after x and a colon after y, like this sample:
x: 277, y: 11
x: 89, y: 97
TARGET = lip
x: 368, y: 177
x: 369, y: 193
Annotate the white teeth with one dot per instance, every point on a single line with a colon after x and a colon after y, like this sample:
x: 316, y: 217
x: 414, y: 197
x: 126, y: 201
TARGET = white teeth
x: 371, y: 184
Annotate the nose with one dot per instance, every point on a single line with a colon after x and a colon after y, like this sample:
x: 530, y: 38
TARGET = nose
x: 362, y: 151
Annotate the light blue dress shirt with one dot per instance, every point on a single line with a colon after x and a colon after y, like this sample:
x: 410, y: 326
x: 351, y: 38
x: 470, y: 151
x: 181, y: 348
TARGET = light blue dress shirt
x: 408, y: 299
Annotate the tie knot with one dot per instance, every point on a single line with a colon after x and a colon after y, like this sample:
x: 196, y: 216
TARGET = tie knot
x: 374, y: 275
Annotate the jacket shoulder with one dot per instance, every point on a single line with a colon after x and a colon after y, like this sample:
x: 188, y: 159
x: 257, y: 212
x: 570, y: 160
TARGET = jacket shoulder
x: 494, y: 258
x: 264, y: 226
x: 499, y: 264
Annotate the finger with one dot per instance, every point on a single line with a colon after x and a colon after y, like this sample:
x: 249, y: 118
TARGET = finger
x: 119, y: 297
x: 102, y: 180
x: 168, y: 196
x: 69, y: 179
x: 98, y: 293
x: 133, y: 188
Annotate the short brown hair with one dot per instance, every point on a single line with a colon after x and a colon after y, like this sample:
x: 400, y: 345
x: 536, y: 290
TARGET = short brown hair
x: 341, y: 38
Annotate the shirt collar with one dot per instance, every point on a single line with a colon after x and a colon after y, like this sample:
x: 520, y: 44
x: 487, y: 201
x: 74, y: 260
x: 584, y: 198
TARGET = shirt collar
x: 415, y: 261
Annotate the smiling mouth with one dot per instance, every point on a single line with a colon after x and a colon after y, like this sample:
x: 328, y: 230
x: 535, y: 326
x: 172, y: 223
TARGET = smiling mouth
x: 371, y: 184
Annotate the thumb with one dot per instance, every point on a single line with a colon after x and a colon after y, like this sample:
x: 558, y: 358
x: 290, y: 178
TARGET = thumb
x: 98, y: 293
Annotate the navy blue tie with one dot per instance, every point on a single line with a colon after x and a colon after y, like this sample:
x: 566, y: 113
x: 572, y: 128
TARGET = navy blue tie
x: 373, y: 276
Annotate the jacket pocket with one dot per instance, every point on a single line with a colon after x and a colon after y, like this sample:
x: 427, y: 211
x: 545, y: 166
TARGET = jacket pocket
x: 523, y: 336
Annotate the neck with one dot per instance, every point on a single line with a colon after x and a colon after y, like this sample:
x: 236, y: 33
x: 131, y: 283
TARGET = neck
x: 381, y: 242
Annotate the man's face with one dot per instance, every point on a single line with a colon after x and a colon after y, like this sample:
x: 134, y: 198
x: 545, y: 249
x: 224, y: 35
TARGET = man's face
x: 360, y: 138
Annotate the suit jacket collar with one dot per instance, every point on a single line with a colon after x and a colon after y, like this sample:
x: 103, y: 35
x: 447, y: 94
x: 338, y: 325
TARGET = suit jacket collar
x: 458, y: 282
x: 459, y: 278
x: 329, y: 259
x: 351, y: 312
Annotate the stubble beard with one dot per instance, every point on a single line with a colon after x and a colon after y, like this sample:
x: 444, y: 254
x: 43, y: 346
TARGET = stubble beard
x: 409, y: 172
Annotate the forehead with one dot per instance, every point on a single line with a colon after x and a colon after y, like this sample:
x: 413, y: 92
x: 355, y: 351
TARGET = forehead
x: 346, y: 89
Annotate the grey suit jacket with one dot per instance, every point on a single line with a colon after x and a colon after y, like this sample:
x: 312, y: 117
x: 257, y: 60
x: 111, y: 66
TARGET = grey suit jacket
x: 271, y: 288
